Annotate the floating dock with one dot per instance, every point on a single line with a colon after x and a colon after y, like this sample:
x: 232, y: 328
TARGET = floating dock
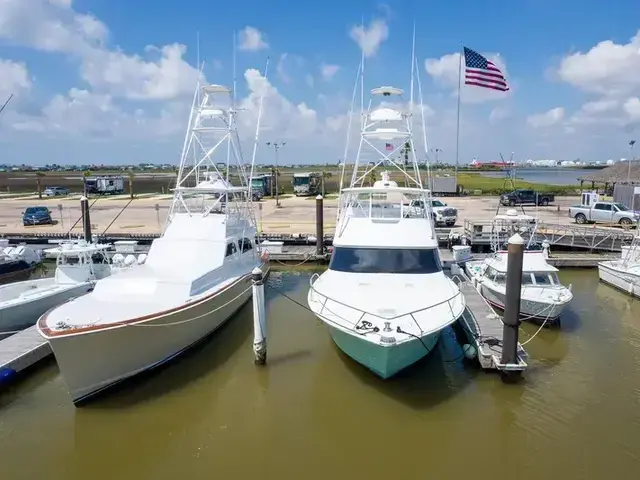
x: 483, y: 328
x: 22, y: 350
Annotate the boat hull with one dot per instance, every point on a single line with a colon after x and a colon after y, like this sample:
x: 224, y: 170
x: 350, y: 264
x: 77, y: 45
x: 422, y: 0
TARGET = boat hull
x: 619, y: 279
x: 384, y: 360
x: 529, y: 309
x: 19, y: 316
x: 94, y: 360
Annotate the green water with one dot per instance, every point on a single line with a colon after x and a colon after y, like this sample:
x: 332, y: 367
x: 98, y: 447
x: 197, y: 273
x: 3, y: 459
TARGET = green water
x: 312, y: 413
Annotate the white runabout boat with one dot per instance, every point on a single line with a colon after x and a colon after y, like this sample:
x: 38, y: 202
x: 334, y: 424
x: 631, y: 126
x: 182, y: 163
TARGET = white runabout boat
x: 624, y: 273
x: 78, y: 266
x: 195, y: 277
x: 543, y: 297
x: 384, y: 296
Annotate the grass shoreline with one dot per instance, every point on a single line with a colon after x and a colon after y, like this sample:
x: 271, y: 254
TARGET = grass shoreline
x: 473, y: 183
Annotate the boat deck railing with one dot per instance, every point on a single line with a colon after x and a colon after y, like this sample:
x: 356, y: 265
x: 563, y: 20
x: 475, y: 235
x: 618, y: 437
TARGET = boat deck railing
x: 362, y: 326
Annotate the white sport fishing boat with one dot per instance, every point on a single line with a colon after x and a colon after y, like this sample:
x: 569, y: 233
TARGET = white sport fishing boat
x: 624, y: 273
x: 195, y: 277
x: 543, y: 297
x: 78, y: 266
x: 384, y: 296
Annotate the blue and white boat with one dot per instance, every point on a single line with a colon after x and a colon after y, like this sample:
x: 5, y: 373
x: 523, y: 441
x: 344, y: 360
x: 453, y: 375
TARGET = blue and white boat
x: 384, y: 296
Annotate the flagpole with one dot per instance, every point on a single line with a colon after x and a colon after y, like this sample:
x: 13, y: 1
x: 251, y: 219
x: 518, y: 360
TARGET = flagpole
x: 458, y: 119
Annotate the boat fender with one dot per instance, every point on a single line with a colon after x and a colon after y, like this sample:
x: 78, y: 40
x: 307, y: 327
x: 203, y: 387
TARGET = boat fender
x: 7, y: 375
x: 264, y: 256
x: 469, y: 351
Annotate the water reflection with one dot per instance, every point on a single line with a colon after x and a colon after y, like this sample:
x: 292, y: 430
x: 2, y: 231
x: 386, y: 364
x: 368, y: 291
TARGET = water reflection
x: 312, y: 411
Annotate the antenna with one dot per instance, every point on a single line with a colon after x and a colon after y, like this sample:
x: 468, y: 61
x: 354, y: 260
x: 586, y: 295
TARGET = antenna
x: 413, y: 64
x: 234, y: 70
x: 200, y: 67
x: 4, y: 105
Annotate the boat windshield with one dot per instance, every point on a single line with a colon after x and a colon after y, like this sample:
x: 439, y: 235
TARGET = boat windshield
x: 385, y: 260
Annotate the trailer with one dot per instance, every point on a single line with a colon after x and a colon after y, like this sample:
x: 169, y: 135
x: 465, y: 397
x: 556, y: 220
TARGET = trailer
x: 444, y: 186
x: 309, y: 183
x: 104, y: 185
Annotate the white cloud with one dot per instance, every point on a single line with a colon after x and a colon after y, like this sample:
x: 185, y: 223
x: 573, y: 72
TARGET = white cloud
x: 55, y: 27
x: 608, y: 68
x: 15, y: 79
x: 370, y: 38
x: 328, y: 71
x: 251, y: 39
x: 446, y: 69
x: 133, y: 77
x: 546, y: 119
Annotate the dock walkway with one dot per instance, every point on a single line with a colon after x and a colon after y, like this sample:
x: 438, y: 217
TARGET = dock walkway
x: 23, y: 349
x: 484, y: 328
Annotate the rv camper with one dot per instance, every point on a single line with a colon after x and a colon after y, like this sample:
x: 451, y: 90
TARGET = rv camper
x: 104, y: 185
x: 306, y: 183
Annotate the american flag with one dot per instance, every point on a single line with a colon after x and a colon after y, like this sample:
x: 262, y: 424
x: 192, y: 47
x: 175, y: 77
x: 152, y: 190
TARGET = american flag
x: 482, y: 73
x: 388, y: 147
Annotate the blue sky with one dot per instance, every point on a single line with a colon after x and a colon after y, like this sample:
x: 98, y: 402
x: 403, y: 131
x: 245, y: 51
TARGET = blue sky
x: 110, y: 81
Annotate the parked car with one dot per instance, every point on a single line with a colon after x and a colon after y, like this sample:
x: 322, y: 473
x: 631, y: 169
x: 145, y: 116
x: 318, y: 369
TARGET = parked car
x: 526, y: 197
x: 55, y: 191
x: 603, y: 212
x: 441, y: 212
x: 36, y: 216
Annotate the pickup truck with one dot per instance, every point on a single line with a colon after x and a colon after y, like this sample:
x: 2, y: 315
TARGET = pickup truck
x: 442, y: 214
x: 526, y: 197
x: 603, y: 212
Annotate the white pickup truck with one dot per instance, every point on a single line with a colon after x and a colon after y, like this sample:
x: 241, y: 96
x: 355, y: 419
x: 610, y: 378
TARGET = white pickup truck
x: 603, y: 212
x: 441, y: 212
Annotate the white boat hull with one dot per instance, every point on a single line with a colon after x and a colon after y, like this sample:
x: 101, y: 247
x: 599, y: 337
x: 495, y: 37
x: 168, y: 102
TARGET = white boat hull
x: 384, y: 360
x: 18, y: 316
x: 618, y: 278
x: 529, y: 309
x: 93, y: 360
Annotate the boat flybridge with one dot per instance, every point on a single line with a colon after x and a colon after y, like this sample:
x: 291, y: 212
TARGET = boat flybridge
x: 384, y: 296
x: 195, y: 277
x: 543, y: 297
x: 624, y: 273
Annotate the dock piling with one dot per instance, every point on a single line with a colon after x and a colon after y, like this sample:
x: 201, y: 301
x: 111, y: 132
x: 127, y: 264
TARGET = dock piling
x: 319, y: 226
x: 86, y: 220
x: 512, y: 302
x: 259, y: 318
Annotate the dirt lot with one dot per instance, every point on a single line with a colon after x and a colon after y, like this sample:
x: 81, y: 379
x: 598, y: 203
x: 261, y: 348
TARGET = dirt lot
x: 297, y: 214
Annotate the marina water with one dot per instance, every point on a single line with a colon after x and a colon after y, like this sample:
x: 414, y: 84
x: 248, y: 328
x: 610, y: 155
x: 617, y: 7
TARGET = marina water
x: 312, y: 413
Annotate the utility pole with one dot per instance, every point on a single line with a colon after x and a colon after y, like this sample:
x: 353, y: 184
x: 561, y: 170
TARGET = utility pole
x: 631, y: 144
x: 276, y: 147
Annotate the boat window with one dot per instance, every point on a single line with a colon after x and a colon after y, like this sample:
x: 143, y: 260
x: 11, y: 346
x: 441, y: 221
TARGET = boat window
x: 542, y: 278
x: 245, y: 245
x: 554, y: 279
x: 527, y: 279
x: 231, y: 248
x: 501, y: 278
x: 385, y: 260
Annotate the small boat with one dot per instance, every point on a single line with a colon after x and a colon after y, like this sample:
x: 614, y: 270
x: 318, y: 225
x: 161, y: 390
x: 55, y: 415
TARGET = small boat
x: 385, y: 297
x: 194, y: 278
x: 543, y: 297
x: 78, y: 266
x: 624, y: 273
x: 18, y: 262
